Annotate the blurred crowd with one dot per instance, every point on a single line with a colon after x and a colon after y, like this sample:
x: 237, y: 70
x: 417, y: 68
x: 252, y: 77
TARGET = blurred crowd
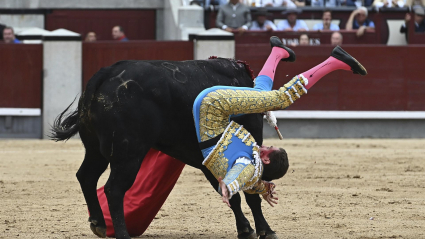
x: 236, y: 16
x: 314, y: 3
x: 117, y: 34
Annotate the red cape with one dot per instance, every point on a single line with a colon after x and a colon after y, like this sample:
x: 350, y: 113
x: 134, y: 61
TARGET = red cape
x: 156, y: 178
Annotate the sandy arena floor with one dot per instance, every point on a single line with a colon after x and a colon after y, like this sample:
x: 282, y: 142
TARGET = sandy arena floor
x: 334, y: 189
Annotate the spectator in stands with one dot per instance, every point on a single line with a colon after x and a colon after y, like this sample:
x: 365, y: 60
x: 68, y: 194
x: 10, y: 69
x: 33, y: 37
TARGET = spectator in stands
x: 208, y: 3
x: 280, y: 3
x: 234, y: 16
x: 304, y: 40
x: 299, y: 3
x: 413, y: 3
x: 419, y: 21
x: 292, y: 23
x: 9, y: 36
x: 336, y: 39
x: 358, y: 3
x: 388, y: 3
x: 118, y: 34
x: 90, y: 37
x: 326, y: 22
x: 261, y: 23
x: 326, y: 3
x: 358, y: 20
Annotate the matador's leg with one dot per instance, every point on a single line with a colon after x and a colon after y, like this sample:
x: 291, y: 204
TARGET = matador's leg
x: 214, y: 106
x: 339, y: 60
x: 264, y: 81
x: 265, y: 78
x: 279, y: 53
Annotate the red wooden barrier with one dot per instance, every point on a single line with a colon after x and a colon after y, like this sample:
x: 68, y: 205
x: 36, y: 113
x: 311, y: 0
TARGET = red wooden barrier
x: 395, y: 80
x: 316, y: 38
x: 137, y: 24
x: 100, y: 54
x: 21, y: 75
x: 415, y: 37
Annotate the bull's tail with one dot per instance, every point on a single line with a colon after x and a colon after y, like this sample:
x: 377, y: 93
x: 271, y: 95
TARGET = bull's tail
x: 63, y: 129
x: 66, y: 124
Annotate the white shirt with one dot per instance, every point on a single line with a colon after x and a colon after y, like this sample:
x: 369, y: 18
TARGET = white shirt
x: 381, y: 4
x: 400, y: 3
x: 319, y: 26
x: 276, y: 3
x: 282, y: 25
x: 320, y: 3
x: 256, y: 27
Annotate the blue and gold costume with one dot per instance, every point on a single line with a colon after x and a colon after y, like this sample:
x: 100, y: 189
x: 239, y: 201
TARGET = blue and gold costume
x: 235, y: 157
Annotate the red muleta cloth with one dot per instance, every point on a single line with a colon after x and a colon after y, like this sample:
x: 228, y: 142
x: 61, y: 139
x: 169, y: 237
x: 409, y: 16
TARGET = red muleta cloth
x: 156, y: 178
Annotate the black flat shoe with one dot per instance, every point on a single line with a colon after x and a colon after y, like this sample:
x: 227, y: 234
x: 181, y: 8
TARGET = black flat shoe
x: 276, y: 42
x: 343, y: 56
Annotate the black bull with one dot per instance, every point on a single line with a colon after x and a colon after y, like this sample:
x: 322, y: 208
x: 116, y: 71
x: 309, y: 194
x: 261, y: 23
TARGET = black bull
x: 133, y: 106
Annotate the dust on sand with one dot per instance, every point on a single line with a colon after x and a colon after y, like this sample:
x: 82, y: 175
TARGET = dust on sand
x: 334, y: 189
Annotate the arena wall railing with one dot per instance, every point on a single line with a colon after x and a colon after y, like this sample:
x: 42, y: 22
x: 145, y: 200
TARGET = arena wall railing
x: 315, y: 38
x: 388, y: 102
x: 21, y: 71
x: 394, y: 81
x: 101, y: 54
x: 137, y: 24
x: 38, y: 81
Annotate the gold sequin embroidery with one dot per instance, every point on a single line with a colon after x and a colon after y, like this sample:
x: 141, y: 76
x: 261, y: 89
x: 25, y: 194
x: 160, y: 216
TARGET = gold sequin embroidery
x: 218, y: 105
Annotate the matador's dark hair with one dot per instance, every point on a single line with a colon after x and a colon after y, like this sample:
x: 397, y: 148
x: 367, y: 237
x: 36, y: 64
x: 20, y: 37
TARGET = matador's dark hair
x: 278, y: 165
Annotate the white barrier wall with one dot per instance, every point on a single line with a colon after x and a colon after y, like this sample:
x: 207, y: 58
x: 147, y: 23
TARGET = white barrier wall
x: 396, y: 38
x: 190, y: 21
x: 168, y: 23
x: 213, y: 42
x: 63, y: 4
x: 22, y: 20
x: 62, y: 79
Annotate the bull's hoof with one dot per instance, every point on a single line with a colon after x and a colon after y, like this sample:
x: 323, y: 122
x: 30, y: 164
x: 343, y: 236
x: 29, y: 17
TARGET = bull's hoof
x: 267, y: 235
x: 247, y: 234
x: 98, y: 231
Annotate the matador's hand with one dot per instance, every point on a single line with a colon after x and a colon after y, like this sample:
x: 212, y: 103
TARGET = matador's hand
x: 224, y: 192
x: 271, y: 194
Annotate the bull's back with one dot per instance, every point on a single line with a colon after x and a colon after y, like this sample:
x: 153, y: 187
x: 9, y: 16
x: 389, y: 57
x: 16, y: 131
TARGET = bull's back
x: 182, y: 81
x: 160, y: 95
x: 171, y: 84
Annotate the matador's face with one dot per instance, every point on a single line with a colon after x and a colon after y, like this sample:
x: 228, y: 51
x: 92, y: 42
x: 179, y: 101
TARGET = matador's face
x: 265, y: 151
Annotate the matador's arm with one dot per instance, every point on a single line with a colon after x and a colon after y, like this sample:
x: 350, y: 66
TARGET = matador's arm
x: 242, y: 176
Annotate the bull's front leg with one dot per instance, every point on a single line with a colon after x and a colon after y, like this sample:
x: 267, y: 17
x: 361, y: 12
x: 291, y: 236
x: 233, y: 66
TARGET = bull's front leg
x: 261, y: 226
x: 242, y: 224
x: 245, y: 230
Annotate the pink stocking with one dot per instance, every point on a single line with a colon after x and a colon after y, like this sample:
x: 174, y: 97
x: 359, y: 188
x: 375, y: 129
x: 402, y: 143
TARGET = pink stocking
x: 316, y: 73
x: 275, y: 56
